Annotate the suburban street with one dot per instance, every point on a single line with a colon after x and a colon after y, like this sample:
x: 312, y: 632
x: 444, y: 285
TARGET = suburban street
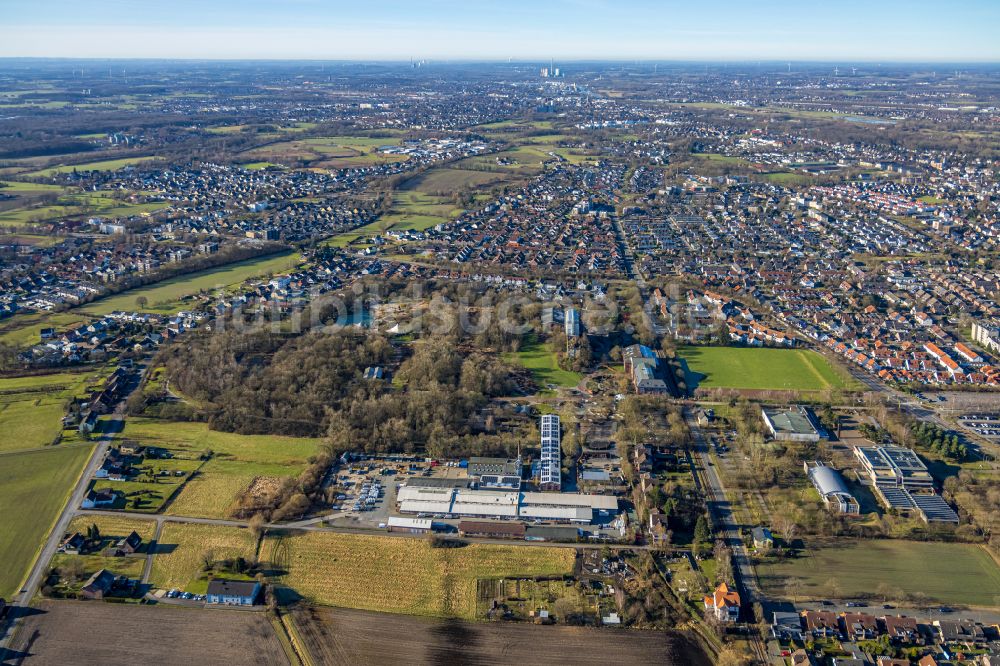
x: 724, y: 523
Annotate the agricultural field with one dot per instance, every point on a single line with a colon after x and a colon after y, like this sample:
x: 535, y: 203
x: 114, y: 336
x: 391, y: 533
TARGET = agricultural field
x: 788, y: 179
x: 537, y: 358
x: 32, y: 408
x: 66, y: 632
x: 34, y: 487
x: 341, y: 636
x: 101, y: 165
x: 721, y: 159
x: 414, y: 204
x: 453, y: 180
x: 761, y: 368
x: 271, y: 452
x: 227, y: 129
x: 166, y: 297
x: 19, y: 217
x: 114, y: 526
x: 427, y: 200
x: 181, y: 548
x: 104, y: 204
x: 257, y: 166
x: 209, y: 494
x: 948, y: 573
x: 34, y: 240
x: 112, y: 529
x: 78, y: 205
x: 515, y: 126
x: 13, y: 187
x: 328, y: 152
x: 401, y: 575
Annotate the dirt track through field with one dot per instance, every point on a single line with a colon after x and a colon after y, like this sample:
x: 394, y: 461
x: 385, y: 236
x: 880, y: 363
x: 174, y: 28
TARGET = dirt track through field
x: 362, y: 638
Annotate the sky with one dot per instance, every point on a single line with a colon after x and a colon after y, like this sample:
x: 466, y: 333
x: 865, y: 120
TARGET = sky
x: 726, y: 30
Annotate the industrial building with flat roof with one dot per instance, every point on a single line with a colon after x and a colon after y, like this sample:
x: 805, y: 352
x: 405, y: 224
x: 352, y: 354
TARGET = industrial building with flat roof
x: 572, y: 323
x: 495, y: 466
x: 790, y: 425
x: 413, y: 525
x: 502, y: 473
x: 501, y: 505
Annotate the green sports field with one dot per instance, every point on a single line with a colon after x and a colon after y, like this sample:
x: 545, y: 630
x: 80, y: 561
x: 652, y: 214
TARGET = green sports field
x: 757, y: 368
x: 34, y: 487
x: 949, y: 573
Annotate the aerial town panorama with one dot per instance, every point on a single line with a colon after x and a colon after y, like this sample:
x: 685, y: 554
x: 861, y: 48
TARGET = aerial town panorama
x: 494, y: 361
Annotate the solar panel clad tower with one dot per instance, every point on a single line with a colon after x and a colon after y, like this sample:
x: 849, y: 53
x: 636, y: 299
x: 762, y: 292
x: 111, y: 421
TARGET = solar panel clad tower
x: 550, y: 473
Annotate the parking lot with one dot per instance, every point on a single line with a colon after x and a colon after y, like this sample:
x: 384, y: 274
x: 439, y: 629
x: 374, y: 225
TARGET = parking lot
x: 985, y: 424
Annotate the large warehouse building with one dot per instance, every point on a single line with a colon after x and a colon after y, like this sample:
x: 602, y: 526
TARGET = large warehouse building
x: 501, y: 505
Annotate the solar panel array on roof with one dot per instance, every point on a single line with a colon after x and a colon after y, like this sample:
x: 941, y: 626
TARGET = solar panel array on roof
x: 897, y: 498
x: 934, y: 509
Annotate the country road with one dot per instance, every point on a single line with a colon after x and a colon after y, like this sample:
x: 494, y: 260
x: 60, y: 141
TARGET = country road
x: 314, y: 525
x: 34, y: 579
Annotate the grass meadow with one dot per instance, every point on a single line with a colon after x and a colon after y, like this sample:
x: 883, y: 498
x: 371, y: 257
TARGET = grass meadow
x: 236, y: 461
x: 34, y: 487
x: 537, y: 358
x: 949, y: 573
x: 32, y: 408
x: 165, y: 297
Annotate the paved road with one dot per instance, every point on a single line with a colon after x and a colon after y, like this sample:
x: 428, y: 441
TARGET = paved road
x: 726, y: 527
x: 724, y: 521
x: 311, y: 526
x: 150, y: 551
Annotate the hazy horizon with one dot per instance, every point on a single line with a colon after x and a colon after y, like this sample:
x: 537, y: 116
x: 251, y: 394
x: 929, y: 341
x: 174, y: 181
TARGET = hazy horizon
x: 568, y: 30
